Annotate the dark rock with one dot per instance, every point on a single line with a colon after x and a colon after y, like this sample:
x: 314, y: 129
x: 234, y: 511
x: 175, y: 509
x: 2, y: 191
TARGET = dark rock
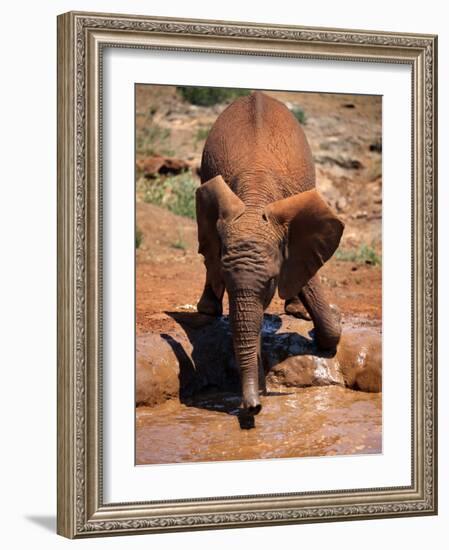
x: 359, y: 215
x: 158, y: 165
x: 340, y: 160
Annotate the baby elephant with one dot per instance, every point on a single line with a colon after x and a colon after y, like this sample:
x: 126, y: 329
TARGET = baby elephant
x: 261, y: 226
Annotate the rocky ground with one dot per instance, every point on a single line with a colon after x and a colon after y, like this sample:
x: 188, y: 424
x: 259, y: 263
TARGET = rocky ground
x: 345, y: 136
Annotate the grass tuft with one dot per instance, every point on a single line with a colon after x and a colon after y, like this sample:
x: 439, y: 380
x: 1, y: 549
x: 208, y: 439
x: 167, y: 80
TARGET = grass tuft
x: 202, y: 133
x: 152, y: 140
x: 363, y: 255
x: 299, y: 114
x: 176, y: 193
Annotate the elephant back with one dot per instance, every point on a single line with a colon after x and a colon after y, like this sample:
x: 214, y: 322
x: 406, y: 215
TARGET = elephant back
x: 258, y: 135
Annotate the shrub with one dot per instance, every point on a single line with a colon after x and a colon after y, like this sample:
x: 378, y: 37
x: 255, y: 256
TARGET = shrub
x: 176, y: 193
x: 299, y: 114
x: 152, y: 140
x: 363, y: 255
x: 179, y: 245
x: 206, y: 96
x: 202, y: 133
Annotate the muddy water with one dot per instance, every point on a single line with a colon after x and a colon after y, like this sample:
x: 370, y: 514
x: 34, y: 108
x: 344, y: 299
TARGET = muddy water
x: 316, y: 421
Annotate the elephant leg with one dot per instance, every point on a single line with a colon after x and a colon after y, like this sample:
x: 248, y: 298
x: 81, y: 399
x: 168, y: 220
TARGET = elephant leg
x: 262, y: 382
x: 296, y: 308
x: 211, y: 301
x: 326, y: 318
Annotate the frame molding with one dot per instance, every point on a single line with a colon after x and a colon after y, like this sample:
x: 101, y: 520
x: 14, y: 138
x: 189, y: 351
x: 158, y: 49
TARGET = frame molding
x: 81, y: 38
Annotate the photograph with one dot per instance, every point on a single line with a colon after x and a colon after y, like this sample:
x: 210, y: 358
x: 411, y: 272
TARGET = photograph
x: 247, y: 285
x: 258, y: 282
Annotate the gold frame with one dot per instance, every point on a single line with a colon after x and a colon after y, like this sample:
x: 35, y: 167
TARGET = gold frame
x: 81, y: 38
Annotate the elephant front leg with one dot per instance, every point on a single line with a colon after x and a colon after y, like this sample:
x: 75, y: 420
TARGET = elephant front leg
x: 326, y: 318
x: 260, y: 366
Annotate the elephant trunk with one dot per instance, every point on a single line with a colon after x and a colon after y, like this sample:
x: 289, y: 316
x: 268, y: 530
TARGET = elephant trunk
x: 246, y: 316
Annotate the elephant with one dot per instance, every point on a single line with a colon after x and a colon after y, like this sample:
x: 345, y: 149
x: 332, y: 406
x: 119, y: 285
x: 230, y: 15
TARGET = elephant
x: 262, y: 225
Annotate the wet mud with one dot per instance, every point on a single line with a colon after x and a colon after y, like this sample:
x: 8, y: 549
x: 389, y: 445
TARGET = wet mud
x: 308, y: 422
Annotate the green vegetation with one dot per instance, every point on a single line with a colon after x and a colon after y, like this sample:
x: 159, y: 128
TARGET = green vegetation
x: 299, y: 114
x: 152, y: 140
x: 176, y: 193
x: 179, y: 245
x: 206, y: 97
x: 202, y: 133
x: 139, y: 237
x: 363, y: 255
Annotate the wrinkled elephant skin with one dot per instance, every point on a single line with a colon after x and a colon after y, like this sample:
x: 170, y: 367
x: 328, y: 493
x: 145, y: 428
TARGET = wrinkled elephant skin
x: 262, y: 226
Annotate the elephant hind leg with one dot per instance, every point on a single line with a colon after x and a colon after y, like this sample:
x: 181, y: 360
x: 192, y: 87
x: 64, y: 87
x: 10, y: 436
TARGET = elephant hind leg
x: 326, y: 318
x: 211, y: 299
x: 296, y: 308
x: 209, y: 303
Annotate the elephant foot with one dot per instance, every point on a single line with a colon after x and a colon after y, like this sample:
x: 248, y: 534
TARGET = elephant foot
x: 296, y: 308
x: 253, y: 409
x: 261, y: 377
x: 251, y: 402
x: 209, y: 304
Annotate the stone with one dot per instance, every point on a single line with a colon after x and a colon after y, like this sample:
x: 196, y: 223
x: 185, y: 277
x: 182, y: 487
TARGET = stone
x: 340, y: 160
x: 305, y: 370
x: 360, y: 359
x: 376, y: 147
x: 196, y: 354
x: 159, y: 165
x: 157, y: 370
x: 341, y: 204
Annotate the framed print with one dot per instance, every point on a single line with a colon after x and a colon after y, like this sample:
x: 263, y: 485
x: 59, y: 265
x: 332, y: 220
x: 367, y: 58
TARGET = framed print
x: 246, y: 274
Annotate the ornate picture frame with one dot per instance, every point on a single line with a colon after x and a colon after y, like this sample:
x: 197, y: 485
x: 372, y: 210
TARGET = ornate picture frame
x: 82, y: 38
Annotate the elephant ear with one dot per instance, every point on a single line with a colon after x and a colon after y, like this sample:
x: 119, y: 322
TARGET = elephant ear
x: 313, y: 234
x: 216, y: 203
